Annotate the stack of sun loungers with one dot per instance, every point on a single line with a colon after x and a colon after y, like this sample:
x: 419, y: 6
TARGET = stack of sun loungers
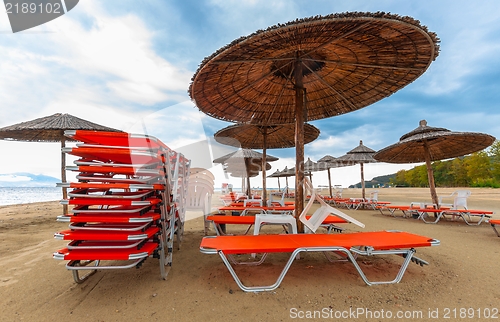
x: 128, y: 203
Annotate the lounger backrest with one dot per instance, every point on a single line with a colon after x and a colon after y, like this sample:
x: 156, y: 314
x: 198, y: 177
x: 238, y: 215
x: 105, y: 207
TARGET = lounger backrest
x: 281, y: 194
x: 322, y: 212
x: 199, y: 197
x: 459, y: 199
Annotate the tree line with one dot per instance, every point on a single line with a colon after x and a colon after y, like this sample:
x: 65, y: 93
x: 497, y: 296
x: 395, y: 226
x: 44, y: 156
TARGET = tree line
x: 480, y: 169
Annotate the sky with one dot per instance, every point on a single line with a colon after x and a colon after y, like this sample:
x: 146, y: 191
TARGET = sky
x: 128, y: 65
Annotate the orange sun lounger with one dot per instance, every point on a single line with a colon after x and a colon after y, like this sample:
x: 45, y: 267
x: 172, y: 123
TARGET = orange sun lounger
x: 465, y: 214
x: 329, y: 223
x: 350, y: 244
x: 115, y: 139
x: 80, y: 259
x: 493, y: 223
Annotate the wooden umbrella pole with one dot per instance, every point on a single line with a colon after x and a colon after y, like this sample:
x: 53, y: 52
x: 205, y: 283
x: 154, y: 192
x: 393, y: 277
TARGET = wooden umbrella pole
x: 247, y: 167
x: 430, y: 174
x: 63, y: 173
x: 362, y: 181
x: 264, y: 147
x: 330, y: 182
x: 299, y: 143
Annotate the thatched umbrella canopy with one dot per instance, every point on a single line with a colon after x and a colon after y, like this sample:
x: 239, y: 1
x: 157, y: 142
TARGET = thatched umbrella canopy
x: 247, y: 161
x: 310, y: 69
x: 50, y: 129
x: 310, y: 166
x: 276, y: 174
x: 360, y: 154
x: 426, y: 144
x: 328, y: 162
x: 250, y: 136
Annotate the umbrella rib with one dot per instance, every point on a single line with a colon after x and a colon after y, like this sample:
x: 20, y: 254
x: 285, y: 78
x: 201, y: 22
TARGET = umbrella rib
x: 288, y: 79
x: 250, y: 84
x: 330, y: 87
x: 337, y: 38
x: 363, y: 65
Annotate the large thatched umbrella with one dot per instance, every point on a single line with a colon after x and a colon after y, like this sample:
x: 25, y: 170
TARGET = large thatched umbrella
x: 360, y: 154
x: 328, y: 162
x: 245, y: 160
x: 311, y: 69
x: 50, y: 129
x: 426, y: 144
x: 264, y: 137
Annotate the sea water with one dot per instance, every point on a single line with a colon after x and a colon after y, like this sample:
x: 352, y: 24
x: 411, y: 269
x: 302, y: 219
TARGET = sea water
x: 22, y: 195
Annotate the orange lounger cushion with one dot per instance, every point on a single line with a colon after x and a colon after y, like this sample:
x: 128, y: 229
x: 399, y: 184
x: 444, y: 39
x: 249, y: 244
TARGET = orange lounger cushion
x: 106, y: 235
x: 106, y: 254
x: 381, y: 240
x: 115, y: 138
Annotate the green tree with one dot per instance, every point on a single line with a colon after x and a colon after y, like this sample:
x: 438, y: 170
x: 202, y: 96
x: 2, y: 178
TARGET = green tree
x: 494, y: 153
x: 478, y: 168
x: 458, y: 173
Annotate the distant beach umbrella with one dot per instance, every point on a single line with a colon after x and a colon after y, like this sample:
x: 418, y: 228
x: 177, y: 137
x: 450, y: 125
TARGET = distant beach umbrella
x: 51, y: 129
x: 359, y: 155
x: 311, y: 69
x: 246, y: 160
x: 250, y: 136
x: 426, y: 144
x: 276, y: 175
x: 328, y: 162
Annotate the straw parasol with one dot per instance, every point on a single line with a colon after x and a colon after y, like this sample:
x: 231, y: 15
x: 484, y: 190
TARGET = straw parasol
x: 264, y: 137
x: 360, y: 154
x: 276, y: 174
x: 50, y: 129
x: 328, y: 162
x: 245, y: 160
x: 426, y: 144
x: 310, y: 69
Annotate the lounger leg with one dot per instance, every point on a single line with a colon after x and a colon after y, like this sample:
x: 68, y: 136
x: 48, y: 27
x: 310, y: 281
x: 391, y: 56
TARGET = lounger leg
x: 422, y: 216
x: 407, y: 255
x: 259, y: 288
x: 495, y: 229
x: 76, y: 264
x: 350, y: 255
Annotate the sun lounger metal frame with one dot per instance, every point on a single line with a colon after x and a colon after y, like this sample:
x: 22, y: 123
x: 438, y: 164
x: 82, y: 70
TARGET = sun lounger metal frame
x: 465, y: 214
x: 350, y: 244
x: 493, y: 223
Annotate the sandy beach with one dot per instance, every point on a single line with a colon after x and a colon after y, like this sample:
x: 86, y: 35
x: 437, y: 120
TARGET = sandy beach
x: 460, y: 282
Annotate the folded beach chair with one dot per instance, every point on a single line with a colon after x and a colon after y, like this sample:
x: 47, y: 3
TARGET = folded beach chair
x: 349, y: 244
x: 318, y: 217
x: 493, y: 223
